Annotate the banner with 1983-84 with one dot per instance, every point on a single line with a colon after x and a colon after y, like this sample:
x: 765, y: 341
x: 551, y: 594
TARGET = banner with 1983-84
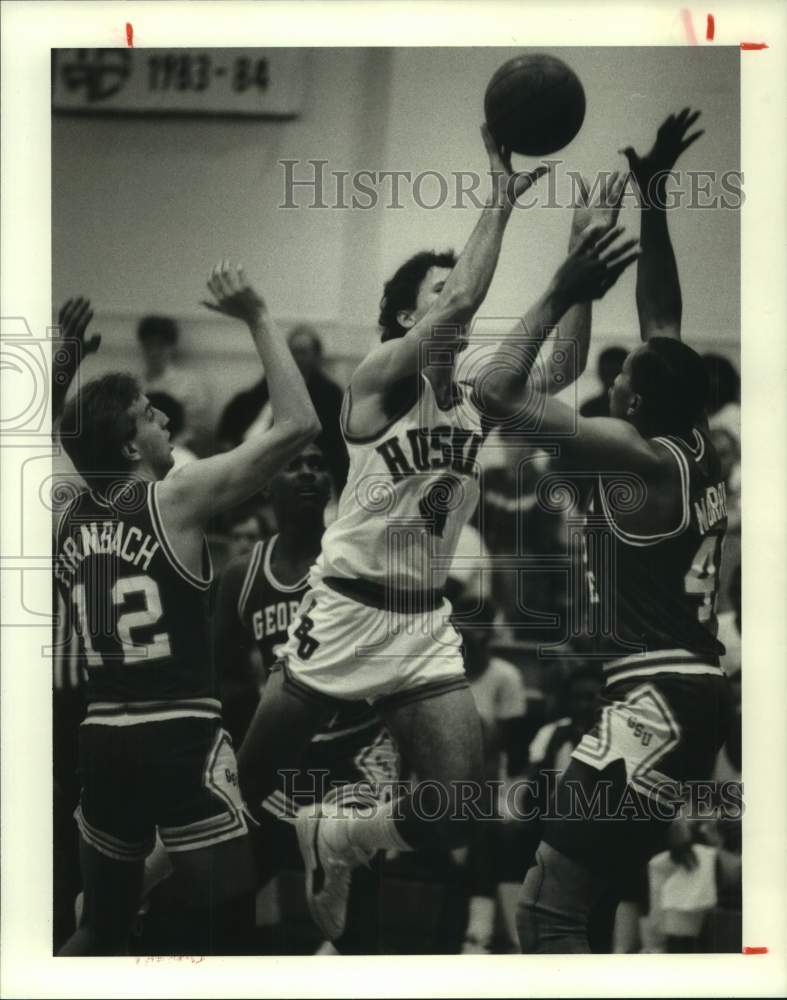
x: 265, y: 83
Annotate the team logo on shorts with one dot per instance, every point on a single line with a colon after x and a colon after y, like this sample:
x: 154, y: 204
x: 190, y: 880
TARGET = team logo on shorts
x: 307, y: 645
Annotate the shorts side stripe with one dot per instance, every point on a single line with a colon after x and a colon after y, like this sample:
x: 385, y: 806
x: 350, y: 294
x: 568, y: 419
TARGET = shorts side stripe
x: 194, y: 835
x: 656, y: 656
x: 687, y: 669
x: 337, y: 734
x: 196, y: 843
x: 111, y: 846
x: 207, y: 774
x: 132, y: 713
x: 278, y: 805
x: 207, y: 825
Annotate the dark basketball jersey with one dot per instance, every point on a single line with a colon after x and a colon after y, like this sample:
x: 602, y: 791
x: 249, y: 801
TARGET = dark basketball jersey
x: 657, y: 591
x: 141, y: 615
x: 266, y: 607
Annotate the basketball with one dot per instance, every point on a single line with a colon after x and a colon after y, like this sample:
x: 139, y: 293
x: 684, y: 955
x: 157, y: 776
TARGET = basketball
x: 534, y: 104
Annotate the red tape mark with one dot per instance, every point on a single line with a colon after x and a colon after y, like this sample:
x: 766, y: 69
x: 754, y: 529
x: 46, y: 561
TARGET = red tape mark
x: 753, y: 45
x: 688, y: 24
x: 129, y: 34
x: 711, y: 29
x: 755, y: 951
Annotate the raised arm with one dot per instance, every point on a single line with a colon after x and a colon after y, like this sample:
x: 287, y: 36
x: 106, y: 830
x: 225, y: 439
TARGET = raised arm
x: 69, y: 349
x: 200, y: 489
x: 564, y: 368
x: 659, y: 302
x: 588, y: 272
x: 464, y: 289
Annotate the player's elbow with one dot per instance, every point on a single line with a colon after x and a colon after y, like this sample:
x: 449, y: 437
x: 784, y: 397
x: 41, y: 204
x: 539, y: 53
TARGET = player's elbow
x: 303, y: 431
x: 507, y: 392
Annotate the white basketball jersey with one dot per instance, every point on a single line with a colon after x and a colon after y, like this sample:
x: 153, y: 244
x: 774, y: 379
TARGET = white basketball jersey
x: 410, y: 490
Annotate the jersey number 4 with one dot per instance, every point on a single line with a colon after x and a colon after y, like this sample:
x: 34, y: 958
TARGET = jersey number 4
x: 702, y: 578
x: 439, y: 499
x: 157, y: 648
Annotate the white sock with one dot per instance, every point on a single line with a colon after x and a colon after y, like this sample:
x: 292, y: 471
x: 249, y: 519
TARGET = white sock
x: 157, y: 868
x: 481, y: 919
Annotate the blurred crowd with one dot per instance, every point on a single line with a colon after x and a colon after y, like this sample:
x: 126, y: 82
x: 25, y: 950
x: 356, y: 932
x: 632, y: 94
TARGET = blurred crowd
x: 535, y: 682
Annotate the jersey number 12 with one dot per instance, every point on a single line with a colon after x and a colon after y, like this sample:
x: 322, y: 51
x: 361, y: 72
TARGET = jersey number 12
x: 156, y: 648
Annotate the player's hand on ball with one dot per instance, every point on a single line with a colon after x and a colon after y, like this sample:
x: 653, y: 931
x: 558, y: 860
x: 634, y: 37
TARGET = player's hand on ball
x: 603, y: 211
x: 594, y: 265
x: 672, y: 139
x: 507, y: 184
x: 233, y: 295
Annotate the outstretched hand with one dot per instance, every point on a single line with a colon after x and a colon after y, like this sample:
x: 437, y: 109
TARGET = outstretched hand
x: 70, y: 347
x: 594, y: 265
x: 602, y: 212
x: 233, y: 295
x: 671, y: 141
x: 507, y: 184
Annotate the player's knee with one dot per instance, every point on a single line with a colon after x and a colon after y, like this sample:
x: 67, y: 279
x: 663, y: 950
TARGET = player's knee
x: 527, y: 912
x: 553, y: 906
x: 445, y: 807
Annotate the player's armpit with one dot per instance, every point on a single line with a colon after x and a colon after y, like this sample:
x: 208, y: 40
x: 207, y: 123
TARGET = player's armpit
x: 600, y: 444
x: 197, y: 491
x: 396, y: 359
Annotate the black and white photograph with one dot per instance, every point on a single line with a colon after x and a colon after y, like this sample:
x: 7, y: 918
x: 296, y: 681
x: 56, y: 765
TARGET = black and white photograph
x: 381, y: 477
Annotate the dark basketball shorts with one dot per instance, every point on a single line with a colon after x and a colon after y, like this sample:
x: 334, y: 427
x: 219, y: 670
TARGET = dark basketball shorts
x: 178, y: 777
x: 655, y: 740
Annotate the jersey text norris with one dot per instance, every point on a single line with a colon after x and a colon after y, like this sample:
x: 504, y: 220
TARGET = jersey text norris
x: 711, y: 508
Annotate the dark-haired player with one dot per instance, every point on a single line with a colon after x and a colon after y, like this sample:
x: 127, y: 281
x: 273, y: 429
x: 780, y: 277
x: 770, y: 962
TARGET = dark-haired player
x: 654, y: 533
x: 374, y: 623
x: 132, y: 564
x: 351, y: 757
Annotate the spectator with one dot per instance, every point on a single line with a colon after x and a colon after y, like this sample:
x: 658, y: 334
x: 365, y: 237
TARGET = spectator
x: 158, y: 339
x: 249, y: 410
x: 724, y: 395
x: 181, y: 455
x: 244, y: 530
x: 728, y: 762
x: 610, y: 362
x: 727, y: 447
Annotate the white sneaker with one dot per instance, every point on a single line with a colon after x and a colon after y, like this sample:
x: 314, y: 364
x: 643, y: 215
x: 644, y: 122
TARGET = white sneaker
x: 329, y: 859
